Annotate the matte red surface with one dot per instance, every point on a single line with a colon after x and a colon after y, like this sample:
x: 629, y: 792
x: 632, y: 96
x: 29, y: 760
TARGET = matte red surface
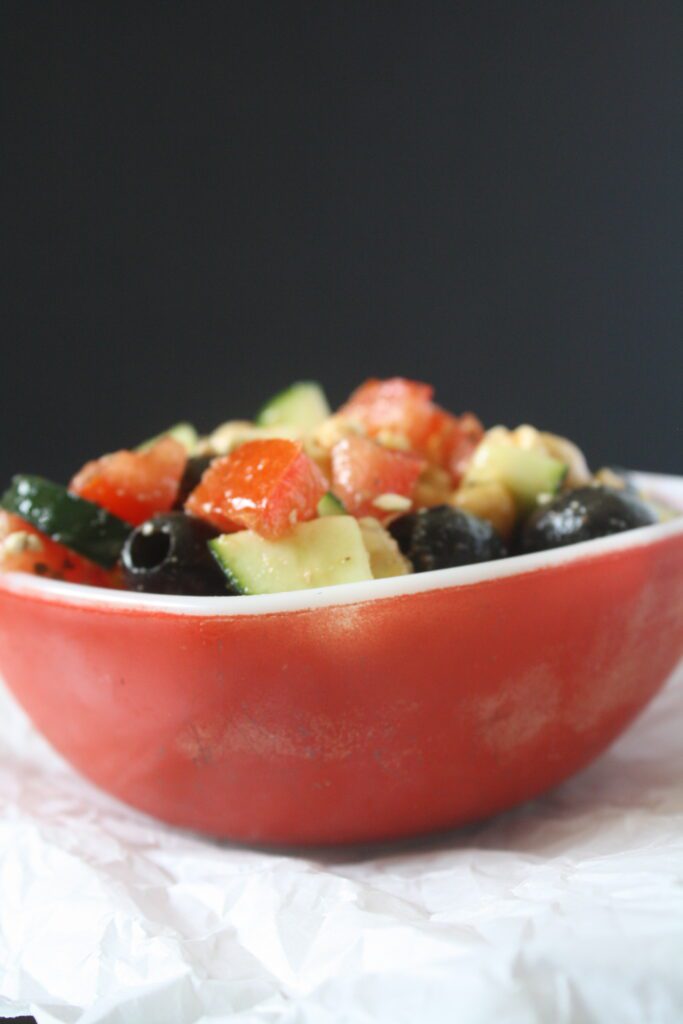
x: 355, y: 722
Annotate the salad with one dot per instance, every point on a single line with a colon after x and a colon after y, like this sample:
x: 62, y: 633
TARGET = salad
x: 389, y: 484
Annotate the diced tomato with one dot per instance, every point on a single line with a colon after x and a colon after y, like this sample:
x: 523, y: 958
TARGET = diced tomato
x: 391, y: 392
x: 267, y: 486
x: 403, y: 410
x: 134, y: 485
x: 451, y: 440
x: 24, y: 549
x: 462, y: 441
x: 362, y: 470
x: 393, y: 407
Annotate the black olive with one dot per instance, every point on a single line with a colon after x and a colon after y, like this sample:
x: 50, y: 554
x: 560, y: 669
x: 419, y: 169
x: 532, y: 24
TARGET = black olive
x: 195, y: 468
x: 169, y: 554
x: 443, y: 537
x: 584, y: 514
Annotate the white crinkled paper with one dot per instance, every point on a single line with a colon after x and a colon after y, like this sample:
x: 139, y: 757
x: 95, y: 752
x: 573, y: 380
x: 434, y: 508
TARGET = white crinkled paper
x: 569, y: 909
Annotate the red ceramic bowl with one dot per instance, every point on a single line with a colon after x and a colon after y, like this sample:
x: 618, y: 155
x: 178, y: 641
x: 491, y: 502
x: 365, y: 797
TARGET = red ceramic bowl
x: 359, y: 712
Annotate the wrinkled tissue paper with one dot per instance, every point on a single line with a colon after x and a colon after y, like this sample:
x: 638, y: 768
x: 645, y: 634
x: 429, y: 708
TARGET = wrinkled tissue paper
x: 568, y: 910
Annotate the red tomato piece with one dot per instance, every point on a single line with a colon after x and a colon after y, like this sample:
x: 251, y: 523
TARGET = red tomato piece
x: 451, y: 440
x: 395, y: 406
x: 25, y: 549
x: 460, y: 446
x: 362, y: 470
x: 134, y: 485
x: 405, y: 409
x: 266, y: 486
x: 391, y: 392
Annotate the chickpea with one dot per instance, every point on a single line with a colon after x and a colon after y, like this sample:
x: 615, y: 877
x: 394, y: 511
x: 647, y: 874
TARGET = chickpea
x: 608, y: 478
x: 320, y: 455
x: 566, y: 451
x: 488, y: 500
x: 434, y: 487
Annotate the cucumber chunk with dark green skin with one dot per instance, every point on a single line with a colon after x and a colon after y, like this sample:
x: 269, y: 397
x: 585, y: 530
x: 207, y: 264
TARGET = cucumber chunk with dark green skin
x: 526, y: 473
x: 330, y: 505
x: 78, y: 524
x: 319, y: 553
x: 302, y: 405
x: 184, y: 433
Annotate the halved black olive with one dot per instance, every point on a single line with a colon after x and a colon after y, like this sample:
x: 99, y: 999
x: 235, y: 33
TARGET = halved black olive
x: 169, y: 554
x: 584, y: 514
x: 444, y: 537
x: 195, y: 467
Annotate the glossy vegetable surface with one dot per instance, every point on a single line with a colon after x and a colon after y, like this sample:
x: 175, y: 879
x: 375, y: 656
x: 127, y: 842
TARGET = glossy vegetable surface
x: 363, y: 471
x: 169, y: 554
x: 402, y: 410
x: 445, y: 537
x: 267, y: 486
x: 79, y: 525
x: 134, y: 485
x: 25, y: 549
x: 584, y: 514
x: 388, y: 452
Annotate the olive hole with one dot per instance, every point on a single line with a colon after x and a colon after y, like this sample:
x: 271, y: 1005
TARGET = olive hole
x: 149, y: 551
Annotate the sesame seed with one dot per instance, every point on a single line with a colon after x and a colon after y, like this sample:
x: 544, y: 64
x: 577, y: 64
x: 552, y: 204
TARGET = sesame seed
x: 392, y: 503
x: 21, y: 541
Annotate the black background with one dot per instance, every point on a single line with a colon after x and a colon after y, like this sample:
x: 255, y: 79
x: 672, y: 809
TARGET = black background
x: 203, y: 201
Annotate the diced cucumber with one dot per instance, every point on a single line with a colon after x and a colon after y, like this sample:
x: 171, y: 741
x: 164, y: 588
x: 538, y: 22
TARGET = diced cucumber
x: 78, y: 524
x: 526, y: 473
x: 330, y: 505
x: 185, y: 433
x: 302, y: 405
x: 319, y: 553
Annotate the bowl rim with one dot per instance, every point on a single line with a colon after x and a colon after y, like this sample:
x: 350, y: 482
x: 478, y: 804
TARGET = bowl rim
x: 654, y: 485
